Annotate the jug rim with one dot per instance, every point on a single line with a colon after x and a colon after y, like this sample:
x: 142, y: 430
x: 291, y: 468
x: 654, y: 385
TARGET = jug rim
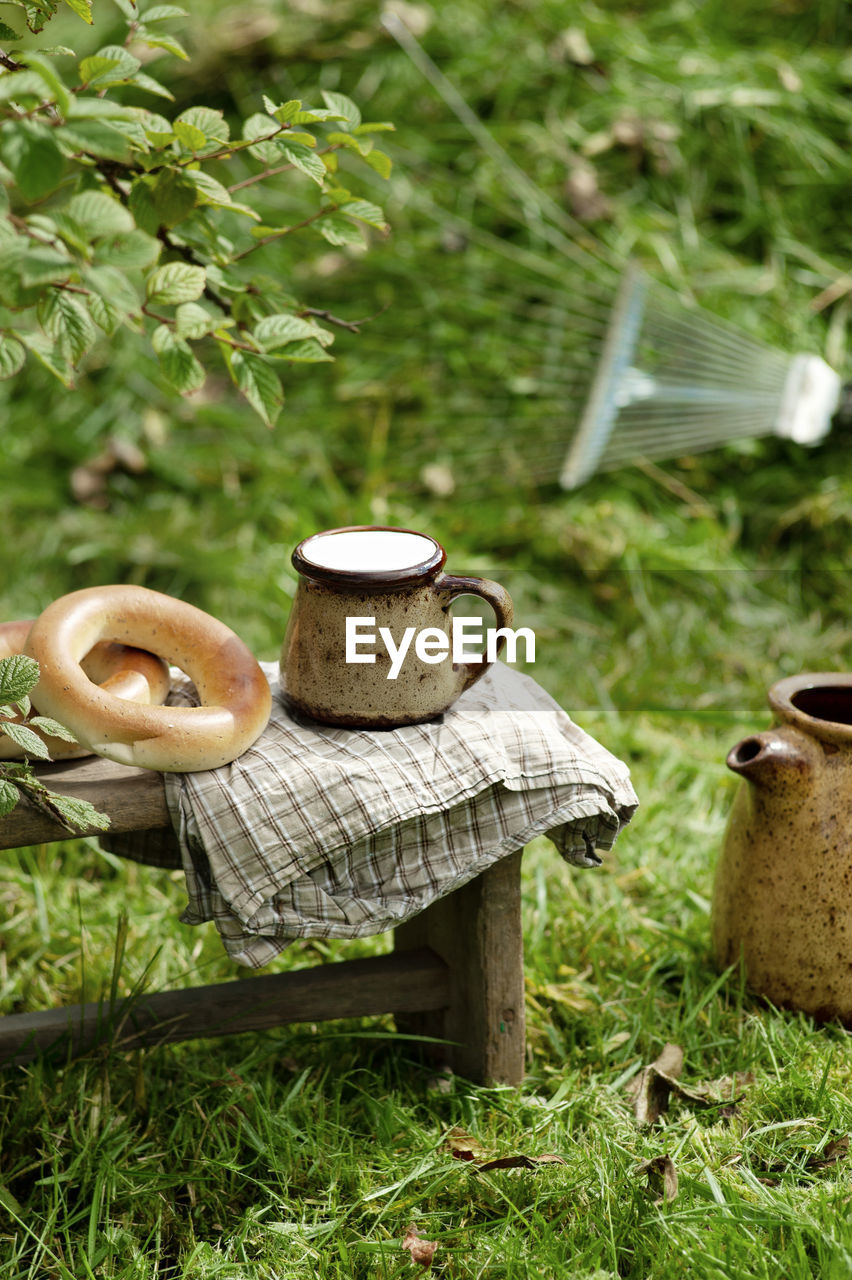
x: 370, y: 580
x: 802, y: 700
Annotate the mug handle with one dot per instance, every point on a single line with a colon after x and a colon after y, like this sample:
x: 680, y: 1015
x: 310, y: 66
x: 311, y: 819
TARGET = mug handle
x: 500, y: 601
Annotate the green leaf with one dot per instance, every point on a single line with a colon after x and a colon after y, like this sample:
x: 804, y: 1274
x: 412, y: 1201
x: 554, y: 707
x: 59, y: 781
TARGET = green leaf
x: 258, y: 382
x: 163, y: 13
x: 42, y: 265
x: 73, y: 235
x: 159, y: 138
x: 375, y: 126
x: 29, y: 150
x: 312, y: 115
x: 9, y: 797
x: 140, y: 202
x: 189, y: 136
x: 12, y: 356
x: 115, y: 284
x: 284, y: 113
x: 161, y: 40
x: 212, y: 124
x: 360, y: 147
x: 381, y: 162
x: 38, y: 13
x: 94, y: 138
x: 87, y: 106
x: 210, y: 191
x: 177, y: 362
x: 97, y: 65
x: 29, y: 742
x: 46, y: 353
x: 54, y: 83
x: 260, y: 126
x: 302, y: 158
x: 136, y: 249
x: 110, y: 65
x: 342, y: 106
x: 104, y: 314
x: 100, y: 214
x: 306, y: 139
x: 52, y: 728
x: 277, y: 331
x: 17, y: 85
x: 79, y: 813
x: 134, y: 130
x: 143, y: 81
x: 18, y: 677
x: 364, y: 211
x: 82, y: 8
x: 174, y: 195
x: 338, y: 230
x: 111, y: 298
x: 307, y: 352
x: 12, y: 253
x: 68, y: 323
x: 194, y: 321
x: 6, y: 33
x: 176, y: 282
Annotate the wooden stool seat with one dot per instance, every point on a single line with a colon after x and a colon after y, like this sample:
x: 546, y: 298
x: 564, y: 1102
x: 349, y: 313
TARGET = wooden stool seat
x: 456, y: 972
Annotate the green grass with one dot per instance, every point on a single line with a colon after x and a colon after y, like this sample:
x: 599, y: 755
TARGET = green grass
x: 665, y: 602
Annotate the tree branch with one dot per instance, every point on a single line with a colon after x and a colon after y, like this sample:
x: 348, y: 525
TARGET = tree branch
x: 285, y: 231
x: 218, y: 337
x: 281, y: 168
x: 9, y: 63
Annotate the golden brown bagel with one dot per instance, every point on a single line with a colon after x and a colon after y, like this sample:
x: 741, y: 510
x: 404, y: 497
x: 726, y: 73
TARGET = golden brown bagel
x: 125, y: 671
x: 234, y: 692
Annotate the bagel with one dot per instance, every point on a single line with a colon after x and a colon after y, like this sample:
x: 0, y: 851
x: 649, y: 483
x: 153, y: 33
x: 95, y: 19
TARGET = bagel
x: 125, y: 671
x: 234, y: 692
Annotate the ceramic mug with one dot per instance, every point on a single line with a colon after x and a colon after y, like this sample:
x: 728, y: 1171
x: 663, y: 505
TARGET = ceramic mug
x: 351, y: 656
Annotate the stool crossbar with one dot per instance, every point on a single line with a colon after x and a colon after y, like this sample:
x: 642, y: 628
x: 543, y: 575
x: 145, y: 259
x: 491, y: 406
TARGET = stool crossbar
x: 455, y: 974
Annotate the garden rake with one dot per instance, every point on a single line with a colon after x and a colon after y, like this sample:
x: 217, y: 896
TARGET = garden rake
x: 536, y: 354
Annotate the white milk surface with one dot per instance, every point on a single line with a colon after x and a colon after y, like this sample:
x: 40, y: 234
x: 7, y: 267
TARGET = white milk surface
x: 369, y: 550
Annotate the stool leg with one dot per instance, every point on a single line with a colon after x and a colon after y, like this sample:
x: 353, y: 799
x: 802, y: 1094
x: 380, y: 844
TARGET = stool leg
x: 477, y: 933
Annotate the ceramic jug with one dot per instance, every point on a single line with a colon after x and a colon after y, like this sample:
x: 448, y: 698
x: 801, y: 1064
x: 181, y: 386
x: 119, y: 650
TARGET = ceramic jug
x: 783, y: 890
x: 353, y: 652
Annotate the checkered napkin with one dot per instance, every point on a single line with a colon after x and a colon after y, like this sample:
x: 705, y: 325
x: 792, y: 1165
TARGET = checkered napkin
x: 338, y: 833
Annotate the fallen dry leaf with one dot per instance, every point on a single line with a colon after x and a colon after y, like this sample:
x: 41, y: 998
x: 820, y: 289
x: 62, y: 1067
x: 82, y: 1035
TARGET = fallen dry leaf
x: 588, y: 203
x: 462, y: 1146
x: 422, y: 1251
x: 662, y: 1178
x: 652, y: 1088
x: 832, y: 1153
x: 572, y: 45
x: 520, y: 1162
x: 670, y: 1060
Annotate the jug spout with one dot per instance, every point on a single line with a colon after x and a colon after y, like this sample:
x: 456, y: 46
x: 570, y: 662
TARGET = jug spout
x: 780, y: 757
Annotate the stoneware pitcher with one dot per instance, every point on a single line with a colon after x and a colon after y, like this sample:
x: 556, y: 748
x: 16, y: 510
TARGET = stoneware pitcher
x: 783, y: 890
x: 351, y: 654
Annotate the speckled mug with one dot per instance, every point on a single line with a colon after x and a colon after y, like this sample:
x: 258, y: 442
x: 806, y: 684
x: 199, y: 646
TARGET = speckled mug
x: 316, y: 679
x: 782, y: 902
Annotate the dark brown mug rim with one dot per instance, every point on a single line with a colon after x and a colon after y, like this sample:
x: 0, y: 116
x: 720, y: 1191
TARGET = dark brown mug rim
x: 420, y: 573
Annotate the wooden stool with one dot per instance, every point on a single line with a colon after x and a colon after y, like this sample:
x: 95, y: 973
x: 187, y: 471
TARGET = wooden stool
x: 456, y: 972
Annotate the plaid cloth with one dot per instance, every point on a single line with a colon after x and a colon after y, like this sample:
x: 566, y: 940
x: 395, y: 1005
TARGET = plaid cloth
x: 325, y: 832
